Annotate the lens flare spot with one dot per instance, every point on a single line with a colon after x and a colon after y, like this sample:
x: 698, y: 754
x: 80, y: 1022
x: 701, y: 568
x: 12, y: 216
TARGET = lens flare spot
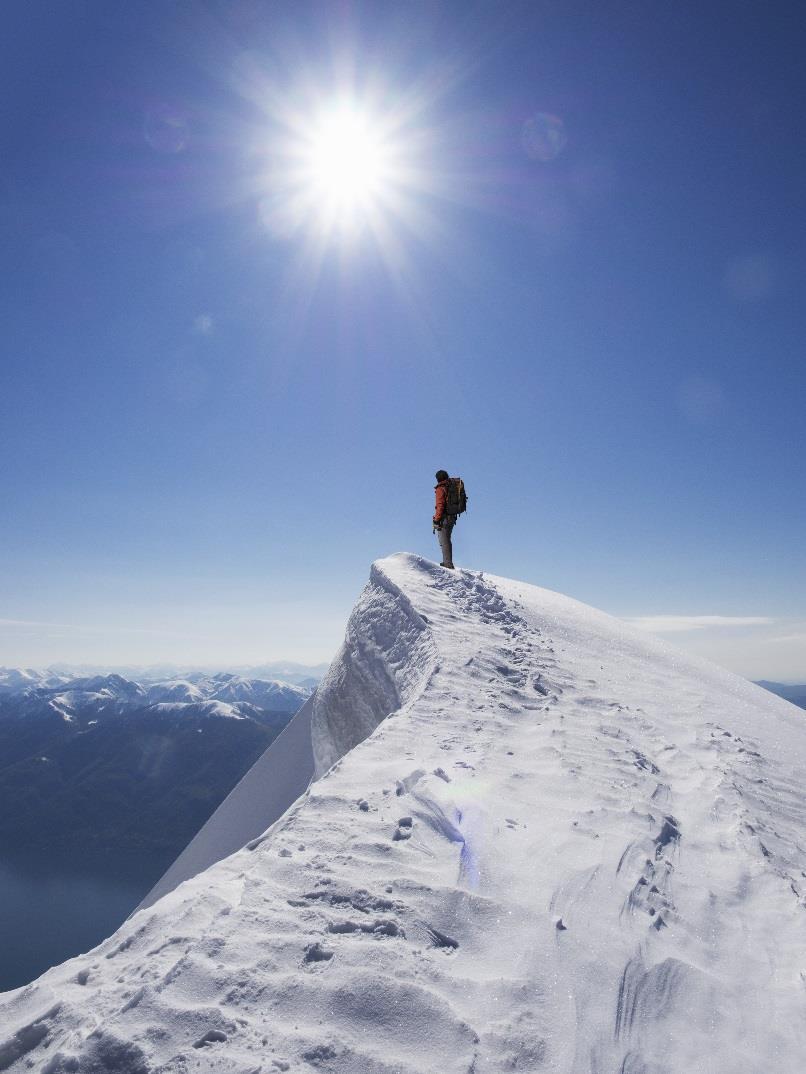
x: 166, y: 129
x: 543, y: 137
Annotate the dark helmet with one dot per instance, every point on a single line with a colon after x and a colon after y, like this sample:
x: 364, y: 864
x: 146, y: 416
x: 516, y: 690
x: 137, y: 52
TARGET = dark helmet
x: 442, y: 475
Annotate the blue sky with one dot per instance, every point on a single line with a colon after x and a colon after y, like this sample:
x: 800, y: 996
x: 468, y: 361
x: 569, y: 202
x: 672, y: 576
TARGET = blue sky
x: 590, y: 306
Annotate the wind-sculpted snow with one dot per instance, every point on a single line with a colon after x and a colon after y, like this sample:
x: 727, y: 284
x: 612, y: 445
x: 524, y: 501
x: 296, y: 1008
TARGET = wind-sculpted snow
x: 570, y: 848
x: 385, y: 661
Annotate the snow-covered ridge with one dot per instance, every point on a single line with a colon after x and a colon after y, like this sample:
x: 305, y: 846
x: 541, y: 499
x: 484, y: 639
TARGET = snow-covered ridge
x: 386, y: 659
x: 571, y: 848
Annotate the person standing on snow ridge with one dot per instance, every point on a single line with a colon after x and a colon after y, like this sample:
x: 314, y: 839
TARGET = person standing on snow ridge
x: 443, y: 522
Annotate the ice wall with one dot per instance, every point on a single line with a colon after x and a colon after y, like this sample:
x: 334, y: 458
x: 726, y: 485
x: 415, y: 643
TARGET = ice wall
x: 384, y: 663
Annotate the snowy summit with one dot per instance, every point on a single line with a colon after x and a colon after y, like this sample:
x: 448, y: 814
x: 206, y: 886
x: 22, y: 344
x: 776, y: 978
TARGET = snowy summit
x: 538, y: 841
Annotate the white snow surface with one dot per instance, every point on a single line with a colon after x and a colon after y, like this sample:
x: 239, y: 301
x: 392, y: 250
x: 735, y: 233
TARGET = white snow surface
x: 566, y: 847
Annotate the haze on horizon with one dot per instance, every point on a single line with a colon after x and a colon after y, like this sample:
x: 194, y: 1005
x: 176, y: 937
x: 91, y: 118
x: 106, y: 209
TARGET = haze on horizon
x: 269, y: 265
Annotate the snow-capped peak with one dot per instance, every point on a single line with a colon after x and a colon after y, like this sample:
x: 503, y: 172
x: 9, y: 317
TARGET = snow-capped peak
x: 540, y: 841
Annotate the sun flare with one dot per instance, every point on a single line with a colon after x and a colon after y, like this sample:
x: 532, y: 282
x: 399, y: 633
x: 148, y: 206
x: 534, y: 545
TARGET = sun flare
x: 344, y: 169
x: 347, y: 163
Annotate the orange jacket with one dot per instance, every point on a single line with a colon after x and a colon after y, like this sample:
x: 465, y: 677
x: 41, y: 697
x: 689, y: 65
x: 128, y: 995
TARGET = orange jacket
x: 441, y: 491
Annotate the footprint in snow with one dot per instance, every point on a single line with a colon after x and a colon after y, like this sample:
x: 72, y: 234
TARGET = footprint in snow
x: 319, y: 1054
x: 212, y: 1036
x: 315, y: 952
x: 404, y: 827
x: 440, y: 939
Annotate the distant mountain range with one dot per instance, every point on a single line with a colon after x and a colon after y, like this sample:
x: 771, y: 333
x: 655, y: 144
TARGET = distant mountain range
x: 16, y: 679
x: 109, y: 764
x: 795, y: 694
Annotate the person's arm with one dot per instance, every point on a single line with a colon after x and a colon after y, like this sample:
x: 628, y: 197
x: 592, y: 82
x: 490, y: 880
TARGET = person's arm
x: 439, y: 510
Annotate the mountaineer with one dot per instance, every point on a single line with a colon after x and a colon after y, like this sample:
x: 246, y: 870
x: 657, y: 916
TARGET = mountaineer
x: 451, y: 501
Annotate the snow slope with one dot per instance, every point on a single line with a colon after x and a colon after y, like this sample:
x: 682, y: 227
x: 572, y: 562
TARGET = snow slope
x: 270, y: 786
x: 566, y: 847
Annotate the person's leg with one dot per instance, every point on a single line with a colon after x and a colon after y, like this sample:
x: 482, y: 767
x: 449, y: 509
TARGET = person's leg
x: 441, y: 539
x: 445, y: 543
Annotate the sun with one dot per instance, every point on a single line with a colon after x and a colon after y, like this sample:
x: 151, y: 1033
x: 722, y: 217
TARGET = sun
x: 347, y: 164
x: 342, y: 169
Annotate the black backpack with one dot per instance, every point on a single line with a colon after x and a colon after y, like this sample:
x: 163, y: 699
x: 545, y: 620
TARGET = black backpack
x: 455, y: 497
